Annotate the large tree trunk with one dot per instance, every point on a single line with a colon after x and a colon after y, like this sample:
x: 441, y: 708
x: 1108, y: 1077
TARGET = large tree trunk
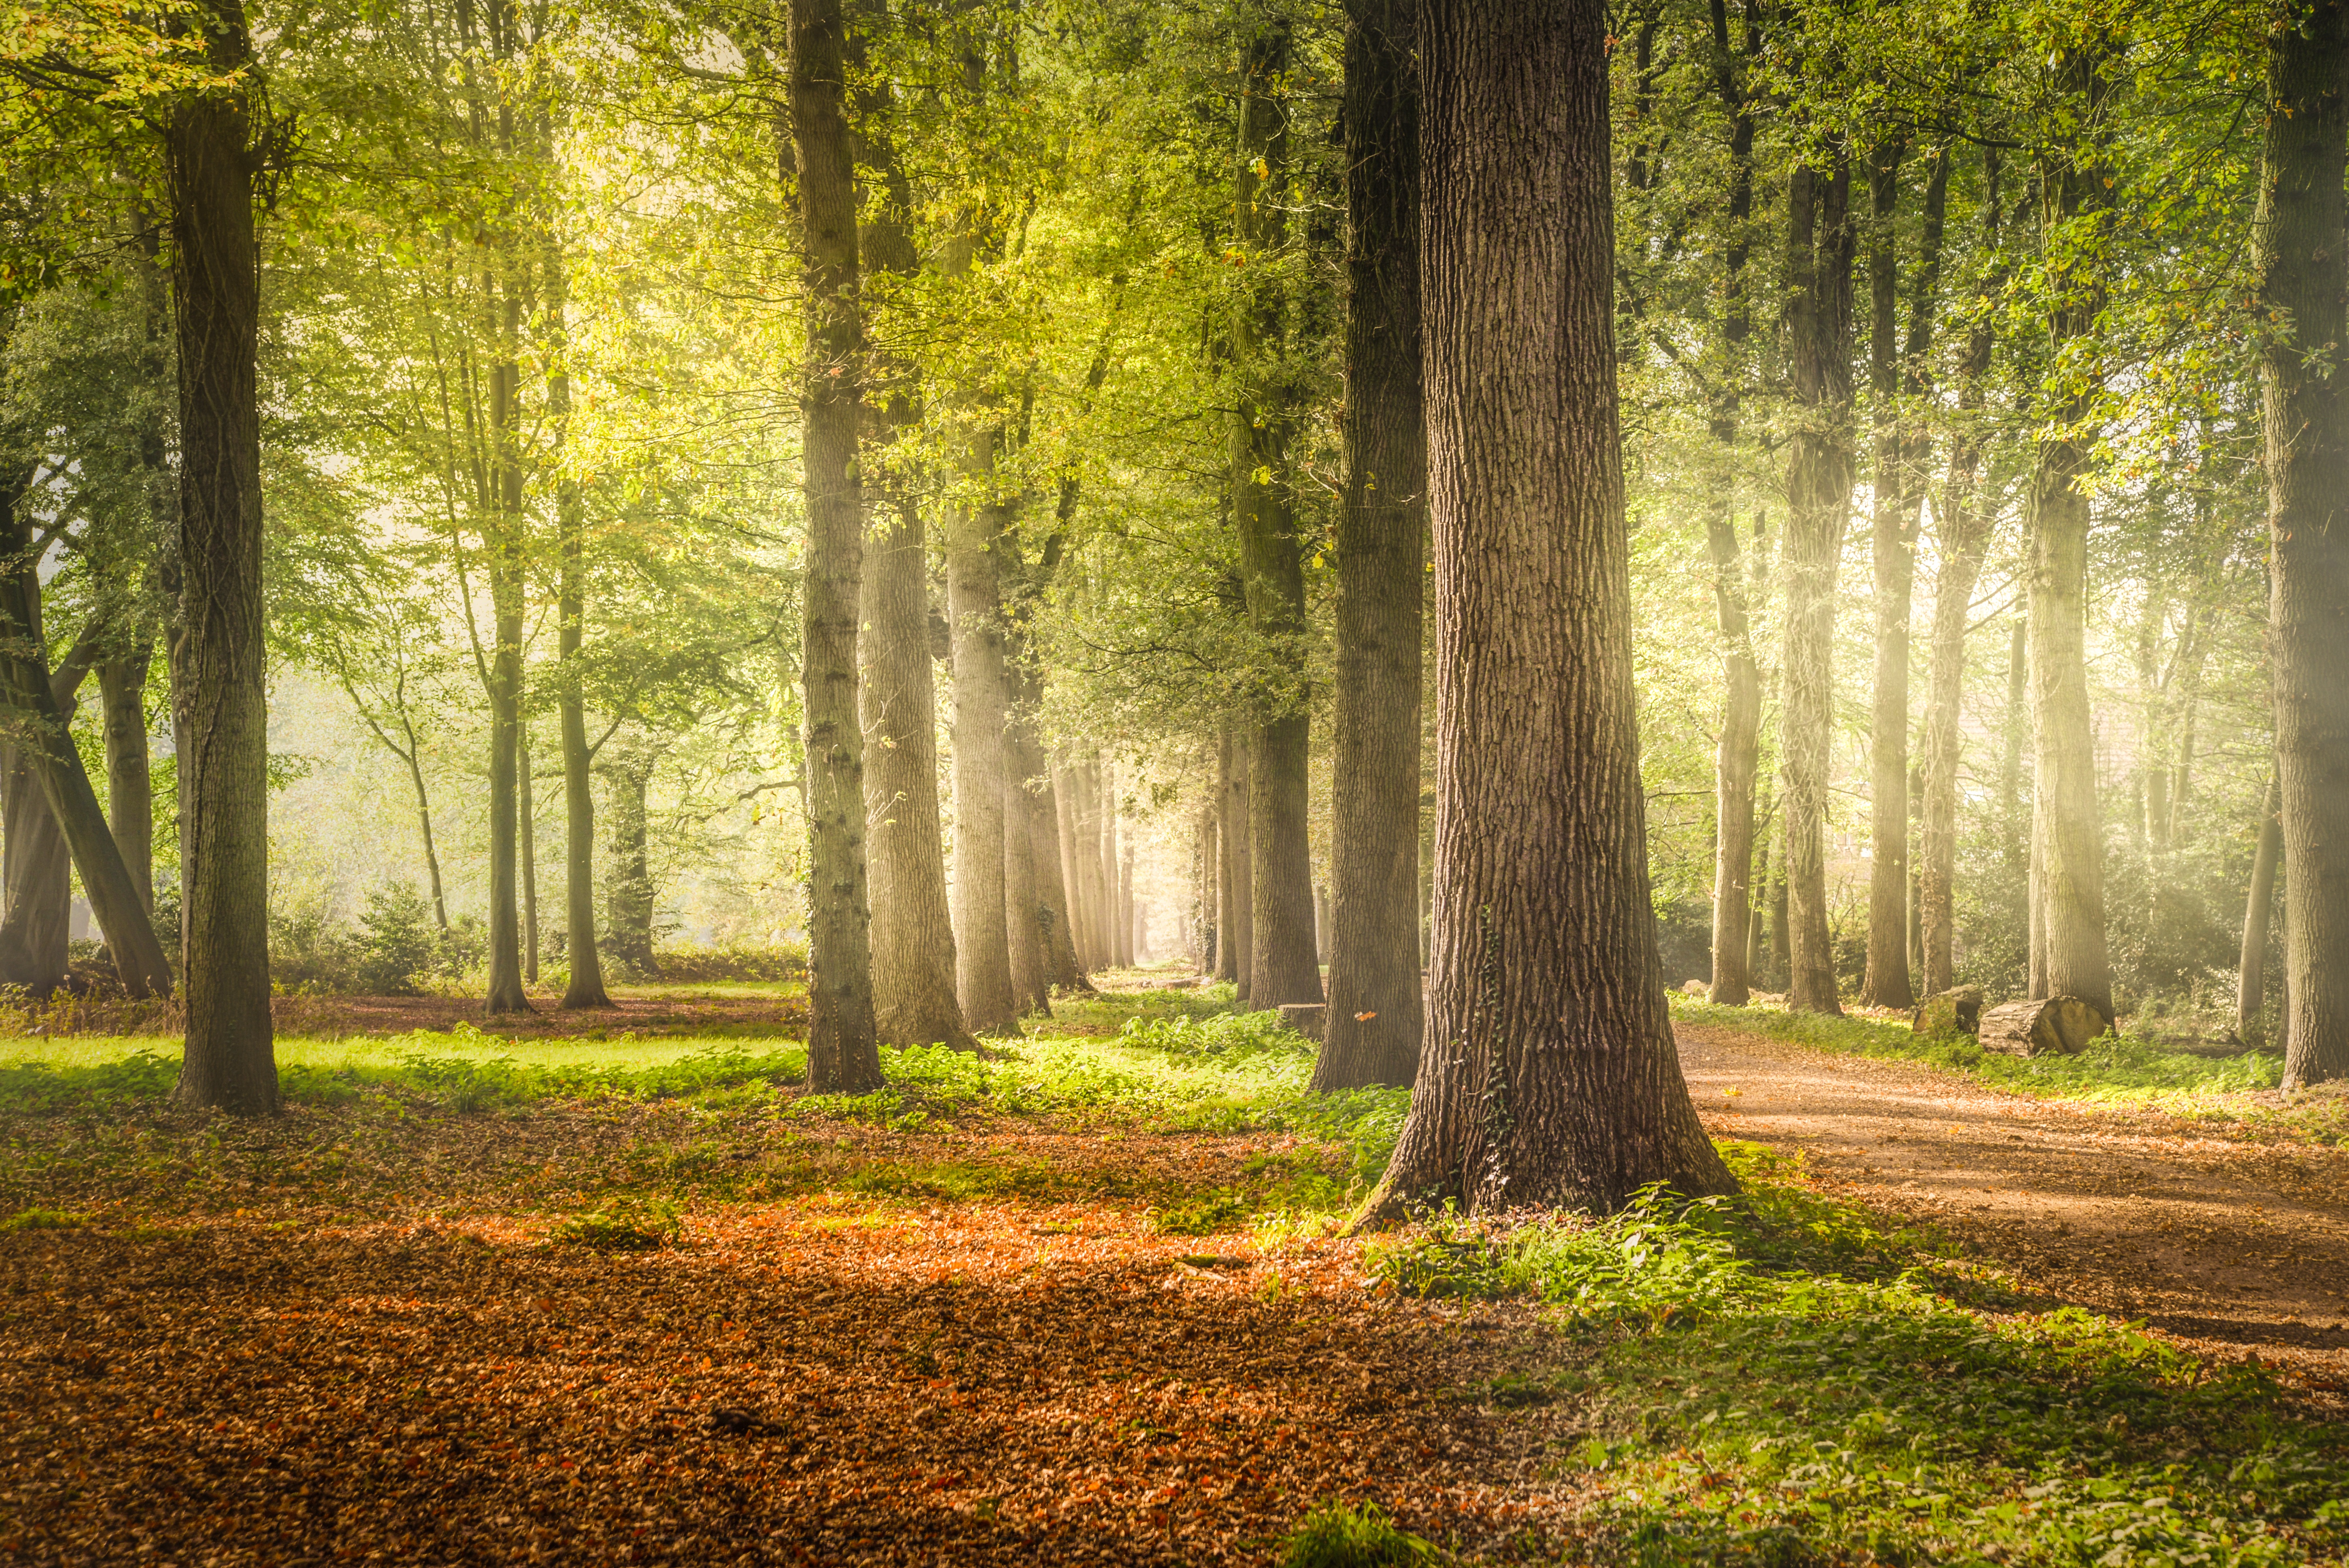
x: 129, y: 787
x: 1964, y: 539
x: 1239, y: 902
x: 1737, y: 756
x: 1818, y: 491
x: 1549, y: 1075
x: 36, y: 922
x: 843, y: 1056
x: 2301, y: 289
x: 2251, y: 970
x: 1264, y: 421
x: 229, y: 1062
x: 2068, y: 861
x: 586, y: 984
x: 982, y: 708
x: 1372, y: 1028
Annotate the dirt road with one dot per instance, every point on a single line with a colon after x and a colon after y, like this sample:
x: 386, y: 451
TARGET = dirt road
x: 2235, y: 1242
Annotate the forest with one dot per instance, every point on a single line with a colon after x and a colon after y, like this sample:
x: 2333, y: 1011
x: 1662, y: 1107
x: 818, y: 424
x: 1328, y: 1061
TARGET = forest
x: 1397, y: 782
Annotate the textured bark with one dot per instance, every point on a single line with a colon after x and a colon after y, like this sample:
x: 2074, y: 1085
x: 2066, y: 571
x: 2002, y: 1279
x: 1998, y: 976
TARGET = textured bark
x: 129, y: 786
x: 1964, y: 530
x: 1024, y: 911
x: 982, y: 708
x: 1067, y: 801
x: 2302, y: 289
x: 1820, y: 251
x: 2068, y: 859
x: 2046, y: 1026
x: 35, y: 921
x: 1239, y: 903
x: 586, y: 989
x: 2250, y: 976
x: 1375, y: 1014
x: 229, y: 1062
x: 527, y: 801
x: 1737, y: 754
x: 503, y: 524
x: 1054, y: 912
x: 1282, y: 967
x: 1549, y: 1075
x: 627, y: 878
x: 843, y: 1056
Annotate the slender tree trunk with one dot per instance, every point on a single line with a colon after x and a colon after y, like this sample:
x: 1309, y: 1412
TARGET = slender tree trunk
x: 1239, y: 880
x: 843, y: 1056
x: 529, y: 858
x: 1964, y: 539
x: 1549, y: 1075
x: 502, y: 544
x: 629, y: 880
x: 129, y: 789
x: 1056, y: 910
x: 2014, y: 723
x: 2070, y: 861
x: 1371, y: 1029
x: 1819, y: 487
x: 1022, y: 902
x: 229, y: 1062
x: 1227, y: 960
x: 424, y: 826
x: 2250, y: 975
x: 36, y: 923
x: 1204, y: 891
x: 982, y: 709
x: 586, y: 984
x: 2302, y: 287
x: 1067, y: 801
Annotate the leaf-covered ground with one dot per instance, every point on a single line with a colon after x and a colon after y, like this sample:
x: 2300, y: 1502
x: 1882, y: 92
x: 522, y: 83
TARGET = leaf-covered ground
x: 483, y: 1300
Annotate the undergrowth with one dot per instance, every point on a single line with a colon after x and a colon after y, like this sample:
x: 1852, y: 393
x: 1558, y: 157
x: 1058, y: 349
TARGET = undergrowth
x: 1777, y: 1378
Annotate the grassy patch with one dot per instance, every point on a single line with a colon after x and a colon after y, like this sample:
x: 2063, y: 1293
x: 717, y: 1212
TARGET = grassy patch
x: 1776, y: 1379
x: 623, y: 1225
x: 1349, y: 1535
x: 42, y: 1219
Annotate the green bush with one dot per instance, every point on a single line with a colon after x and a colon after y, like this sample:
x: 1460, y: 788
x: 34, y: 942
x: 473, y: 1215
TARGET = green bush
x: 398, y: 941
x: 1352, y: 1535
x: 740, y: 961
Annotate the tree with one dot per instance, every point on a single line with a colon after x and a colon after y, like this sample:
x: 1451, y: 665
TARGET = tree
x: 843, y: 1056
x: 1370, y: 1031
x: 212, y: 156
x: 1548, y: 1075
x: 2304, y: 275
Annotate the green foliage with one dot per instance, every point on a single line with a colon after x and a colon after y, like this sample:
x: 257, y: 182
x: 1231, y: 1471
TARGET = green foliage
x: 398, y: 941
x: 43, y: 1220
x: 743, y: 960
x: 621, y: 1225
x: 1352, y: 1535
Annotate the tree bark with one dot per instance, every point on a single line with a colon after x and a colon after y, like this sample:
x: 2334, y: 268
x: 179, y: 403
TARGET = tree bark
x: 1024, y: 902
x: 528, y: 857
x: 36, y: 922
x: 1056, y: 912
x: 587, y: 987
x: 129, y: 787
x: 1067, y: 800
x: 1239, y: 902
x: 2069, y: 863
x: 629, y: 879
x: 843, y: 1056
x: 1549, y: 1075
x: 1375, y: 1017
x: 503, y: 524
x: 1737, y: 755
x: 2301, y: 289
x: 229, y: 1062
x: 982, y: 708
x: 2250, y: 975
x: 1821, y: 246
x: 1964, y: 539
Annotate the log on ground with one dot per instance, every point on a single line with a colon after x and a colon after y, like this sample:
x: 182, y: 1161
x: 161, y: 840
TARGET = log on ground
x: 2042, y: 1027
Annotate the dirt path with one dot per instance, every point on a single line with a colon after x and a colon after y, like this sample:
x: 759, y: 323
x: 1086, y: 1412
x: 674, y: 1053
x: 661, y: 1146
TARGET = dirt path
x: 2235, y: 1243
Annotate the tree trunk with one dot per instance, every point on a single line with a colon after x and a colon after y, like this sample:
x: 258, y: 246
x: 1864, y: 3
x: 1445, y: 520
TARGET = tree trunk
x: 1067, y: 800
x: 982, y: 708
x: 502, y: 543
x: 529, y: 858
x: 1549, y: 1077
x: 1818, y: 491
x: 1024, y: 902
x: 2302, y: 288
x: 1964, y: 539
x: 1375, y: 1013
x: 2070, y: 867
x: 36, y: 923
x: 1129, y: 935
x: 587, y: 985
x: 629, y: 879
x: 1057, y: 911
x: 2014, y: 720
x: 843, y: 1056
x: 2250, y: 975
x: 229, y: 1062
x: 1239, y: 881
x: 130, y: 789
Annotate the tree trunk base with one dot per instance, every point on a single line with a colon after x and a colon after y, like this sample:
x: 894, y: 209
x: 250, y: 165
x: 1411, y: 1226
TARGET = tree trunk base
x: 1305, y: 1017
x: 1954, y: 1012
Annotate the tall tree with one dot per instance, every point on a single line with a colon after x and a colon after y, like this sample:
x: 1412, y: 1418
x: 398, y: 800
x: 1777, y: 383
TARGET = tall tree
x: 2304, y: 278
x: 211, y: 151
x: 1737, y: 754
x: 586, y: 989
x: 1821, y: 247
x: 2067, y: 849
x: 982, y: 706
x: 1283, y: 967
x: 1371, y: 1029
x: 1549, y: 1075
x: 843, y: 1056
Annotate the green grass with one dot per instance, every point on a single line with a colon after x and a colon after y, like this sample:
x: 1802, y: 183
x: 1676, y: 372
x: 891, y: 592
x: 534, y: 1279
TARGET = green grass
x: 2122, y: 1068
x: 1775, y: 1378
x: 1348, y: 1536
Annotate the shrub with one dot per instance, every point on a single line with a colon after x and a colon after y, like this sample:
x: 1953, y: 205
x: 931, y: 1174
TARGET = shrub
x: 398, y: 941
x: 736, y: 961
x: 1352, y: 1535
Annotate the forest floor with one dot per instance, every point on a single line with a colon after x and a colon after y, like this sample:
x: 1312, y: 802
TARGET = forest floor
x: 494, y: 1302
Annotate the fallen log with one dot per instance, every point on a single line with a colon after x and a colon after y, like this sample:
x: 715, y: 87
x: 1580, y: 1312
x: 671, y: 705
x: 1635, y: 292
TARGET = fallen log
x: 1956, y: 1011
x: 2046, y: 1025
